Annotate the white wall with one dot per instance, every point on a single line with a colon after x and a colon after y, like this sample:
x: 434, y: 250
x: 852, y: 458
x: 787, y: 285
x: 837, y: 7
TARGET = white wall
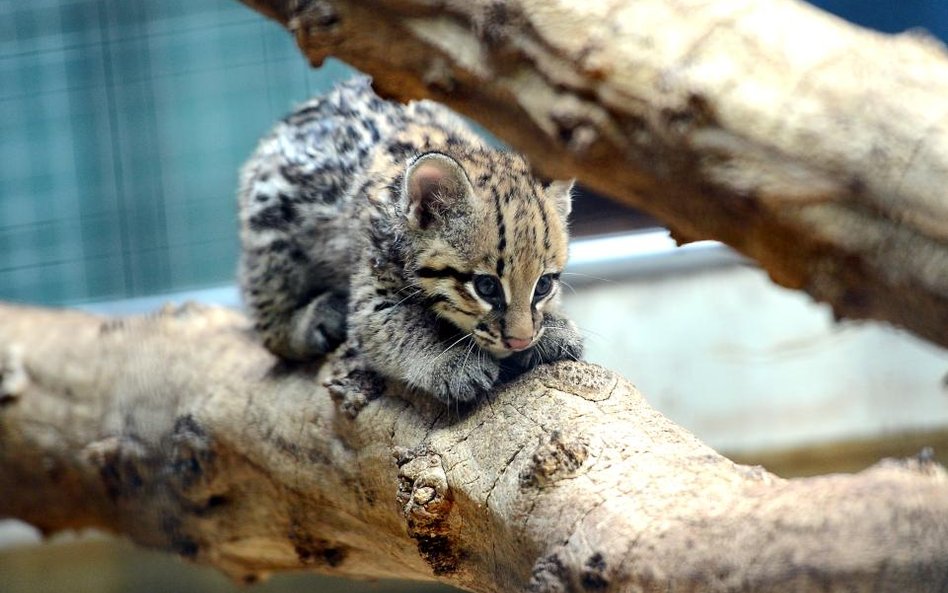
x: 745, y: 364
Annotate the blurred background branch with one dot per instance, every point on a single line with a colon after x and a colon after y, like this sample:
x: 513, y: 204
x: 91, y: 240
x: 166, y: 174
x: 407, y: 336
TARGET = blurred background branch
x: 817, y: 148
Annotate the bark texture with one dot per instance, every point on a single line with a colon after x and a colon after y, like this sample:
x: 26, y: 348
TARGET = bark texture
x: 815, y: 147
x: 180, y: 432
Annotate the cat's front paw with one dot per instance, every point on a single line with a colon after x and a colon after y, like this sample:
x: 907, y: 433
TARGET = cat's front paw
x: 461, y: 382
x: 561, y: 340
x: 353, y: 387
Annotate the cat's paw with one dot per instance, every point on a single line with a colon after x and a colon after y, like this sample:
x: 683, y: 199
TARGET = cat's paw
x: 320, y: 326
x: 353, y: 387
x: 463, y: 381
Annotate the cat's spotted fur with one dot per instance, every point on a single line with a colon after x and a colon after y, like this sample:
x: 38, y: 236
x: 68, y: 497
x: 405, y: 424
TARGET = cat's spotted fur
x: 436, y: 254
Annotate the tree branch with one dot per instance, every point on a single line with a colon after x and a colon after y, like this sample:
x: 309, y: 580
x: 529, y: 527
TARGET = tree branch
x: 180, y: 432
x: 815, y: 147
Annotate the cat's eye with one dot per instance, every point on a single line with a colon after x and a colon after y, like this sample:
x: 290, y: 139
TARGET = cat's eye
x: 487, y: 287
x: 543, y: 287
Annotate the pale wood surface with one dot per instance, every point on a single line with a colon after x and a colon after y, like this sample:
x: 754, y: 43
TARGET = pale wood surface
x: 179, y: 431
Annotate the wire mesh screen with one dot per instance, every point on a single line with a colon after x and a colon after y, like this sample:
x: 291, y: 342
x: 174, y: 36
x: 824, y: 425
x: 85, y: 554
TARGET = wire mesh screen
x: 122, y: 128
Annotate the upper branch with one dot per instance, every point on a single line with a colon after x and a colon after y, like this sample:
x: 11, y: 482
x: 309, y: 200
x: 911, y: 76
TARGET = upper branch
x: 817, y: 148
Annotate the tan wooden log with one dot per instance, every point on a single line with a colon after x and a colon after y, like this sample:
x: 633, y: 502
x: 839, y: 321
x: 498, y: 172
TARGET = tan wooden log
x: 815, y: 147
x: 178, y: 431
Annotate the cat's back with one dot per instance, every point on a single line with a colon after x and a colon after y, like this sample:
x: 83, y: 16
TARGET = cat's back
x: 312, y: 157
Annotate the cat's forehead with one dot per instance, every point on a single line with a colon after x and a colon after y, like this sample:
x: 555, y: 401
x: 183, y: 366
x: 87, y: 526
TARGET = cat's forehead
x: 503, y: 173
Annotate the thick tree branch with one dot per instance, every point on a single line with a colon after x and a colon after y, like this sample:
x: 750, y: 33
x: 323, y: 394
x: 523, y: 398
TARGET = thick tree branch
x: 179, y: 431
x: 817, y: 148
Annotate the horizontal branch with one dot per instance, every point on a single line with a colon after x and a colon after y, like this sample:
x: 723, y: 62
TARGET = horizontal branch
x: 180, y: 432
x: 815, y: 147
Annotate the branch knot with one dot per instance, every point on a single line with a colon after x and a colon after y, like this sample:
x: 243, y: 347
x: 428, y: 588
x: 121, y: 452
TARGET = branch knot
x: 13, y: 377
x: 426, y: 502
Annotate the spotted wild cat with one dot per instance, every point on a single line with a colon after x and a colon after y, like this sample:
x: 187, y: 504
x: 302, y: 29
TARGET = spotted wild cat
x: 437, y: 255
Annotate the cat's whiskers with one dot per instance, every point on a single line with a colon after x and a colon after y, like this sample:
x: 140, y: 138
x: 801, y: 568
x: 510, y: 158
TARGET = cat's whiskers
x: 453, y: 344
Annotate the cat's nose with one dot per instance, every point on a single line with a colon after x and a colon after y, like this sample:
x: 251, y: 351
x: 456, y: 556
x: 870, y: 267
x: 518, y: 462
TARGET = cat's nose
x: 517, y: 344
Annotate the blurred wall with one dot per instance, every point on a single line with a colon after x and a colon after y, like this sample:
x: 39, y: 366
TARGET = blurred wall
x: 122, y: 127
x: 749, y: 366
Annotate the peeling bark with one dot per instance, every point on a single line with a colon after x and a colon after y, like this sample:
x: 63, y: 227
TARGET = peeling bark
x: 815, y: 147
x: 180, y: 432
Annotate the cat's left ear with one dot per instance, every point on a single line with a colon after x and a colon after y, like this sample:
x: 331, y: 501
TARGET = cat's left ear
x: 435, y: 184
x: 561, y: 194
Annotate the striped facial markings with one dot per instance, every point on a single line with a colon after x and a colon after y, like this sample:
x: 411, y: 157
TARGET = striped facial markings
x: 459, y: 285
x: 501, y: 233
x: 445, y: 272
x: 448, y: 308
x: 482, y: 327
x: 448, y: 296
x: 547, y: 245
x: 485, y: 281
x: 530, y: 245
x: 442, y: 301
x: 508, y: 292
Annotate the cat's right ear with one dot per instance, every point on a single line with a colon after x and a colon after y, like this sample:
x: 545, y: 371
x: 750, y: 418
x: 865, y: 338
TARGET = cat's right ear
x: 435, y: 184
x: 561, y: 192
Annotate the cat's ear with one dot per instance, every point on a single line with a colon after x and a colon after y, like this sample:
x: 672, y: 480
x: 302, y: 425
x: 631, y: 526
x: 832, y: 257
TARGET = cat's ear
x: 560, y: 192
x: 435, y: 184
